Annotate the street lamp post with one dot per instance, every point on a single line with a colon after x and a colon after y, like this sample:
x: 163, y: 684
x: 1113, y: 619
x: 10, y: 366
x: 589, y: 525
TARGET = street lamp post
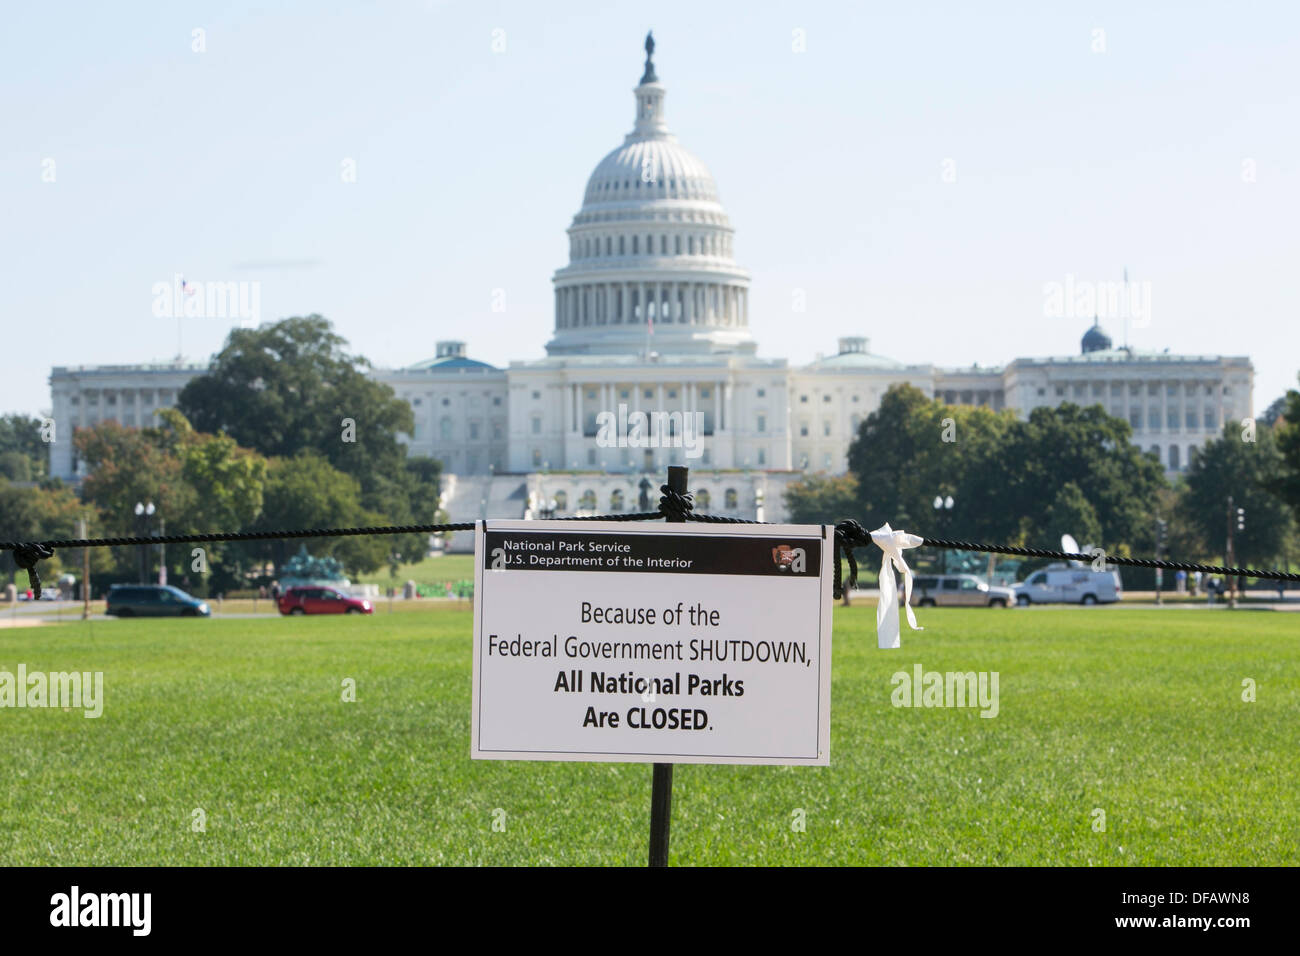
x: 1162, y: 527
x: 1229, y: 557
x: 143, y: 512
x: 942, y: 512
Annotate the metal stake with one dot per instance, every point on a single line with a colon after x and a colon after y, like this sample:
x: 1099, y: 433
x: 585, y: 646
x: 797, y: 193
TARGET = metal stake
x: 661, y: 786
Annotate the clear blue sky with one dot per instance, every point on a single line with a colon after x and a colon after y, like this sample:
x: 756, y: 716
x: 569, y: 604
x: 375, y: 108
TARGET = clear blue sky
x: 225, y: 165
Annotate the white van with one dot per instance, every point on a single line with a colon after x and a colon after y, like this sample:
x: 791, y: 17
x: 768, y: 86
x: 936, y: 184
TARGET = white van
x: 1066, y: 584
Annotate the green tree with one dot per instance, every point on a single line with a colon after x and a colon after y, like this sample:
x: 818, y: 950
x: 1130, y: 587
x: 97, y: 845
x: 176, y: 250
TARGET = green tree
x: 1008, y: 478
x: 897, y: 460
x: 1275, y: 411
x: 1091, y: 449
x: 1248, y: 471
x: 228, y: 480
x: 291, y: 387
x: 46, y: 512
x: 913, y: 449
x: 1286, y: 484
x: 15, y: 466
x: 228, y: 484
x: 306, y: 491
x: 1071, y: 513
x: 126, y: 466
x: 1184, y: 538
x: 20, y: 438
x: 822, y: 499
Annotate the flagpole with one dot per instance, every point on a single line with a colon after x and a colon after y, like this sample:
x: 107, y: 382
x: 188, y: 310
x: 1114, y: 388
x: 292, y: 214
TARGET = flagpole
x: 1127, y: 308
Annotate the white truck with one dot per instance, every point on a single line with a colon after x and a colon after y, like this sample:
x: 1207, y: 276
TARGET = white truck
x: 1069, y: 584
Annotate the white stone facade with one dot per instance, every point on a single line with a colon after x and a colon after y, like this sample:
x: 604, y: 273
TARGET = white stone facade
x: 84, y: 396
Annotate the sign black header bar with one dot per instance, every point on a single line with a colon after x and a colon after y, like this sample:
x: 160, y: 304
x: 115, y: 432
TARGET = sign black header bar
x: 638, y: 553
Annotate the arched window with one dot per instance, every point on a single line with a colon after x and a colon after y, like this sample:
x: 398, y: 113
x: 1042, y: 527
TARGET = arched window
x: 621, y: 249
x: 616, y: 500
x: 730, y: 499
x: 588, y: 502
x: 609, y: 245
x: 702, y: 499
x: 636, y: 241
x: 690, y: 242
x: 561, y: 501
x: 663, y: 245
x: 677, y: 245
x: 1173, y: 458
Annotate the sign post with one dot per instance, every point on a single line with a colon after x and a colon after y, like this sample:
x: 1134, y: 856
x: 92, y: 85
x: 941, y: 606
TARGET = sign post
x: 661, y: 780
x: 652, y: 643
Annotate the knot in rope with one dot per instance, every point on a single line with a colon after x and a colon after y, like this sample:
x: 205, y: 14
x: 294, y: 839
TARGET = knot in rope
x: 26, y: 556
x: 848, y: 535
x: 674, y: 505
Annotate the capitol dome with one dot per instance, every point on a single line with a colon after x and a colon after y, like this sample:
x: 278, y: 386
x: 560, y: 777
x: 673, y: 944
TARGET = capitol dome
x: 1095, y: 339
x: 681, y: 175
x: 650, y: 251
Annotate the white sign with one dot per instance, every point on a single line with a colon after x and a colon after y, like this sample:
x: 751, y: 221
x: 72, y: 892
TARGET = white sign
x: 651, y: 642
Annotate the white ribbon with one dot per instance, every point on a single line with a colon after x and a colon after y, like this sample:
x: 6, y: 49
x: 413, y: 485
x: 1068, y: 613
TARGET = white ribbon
x: 892, y: 543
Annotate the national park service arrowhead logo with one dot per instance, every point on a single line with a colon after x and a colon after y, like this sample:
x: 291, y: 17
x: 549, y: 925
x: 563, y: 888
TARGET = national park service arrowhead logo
x: 789, y: 559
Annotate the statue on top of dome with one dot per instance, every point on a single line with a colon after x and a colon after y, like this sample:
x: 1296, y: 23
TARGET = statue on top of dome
x: 649, y: 75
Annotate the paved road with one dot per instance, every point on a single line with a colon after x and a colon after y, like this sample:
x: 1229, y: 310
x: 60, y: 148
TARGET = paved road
x: 53, y: 611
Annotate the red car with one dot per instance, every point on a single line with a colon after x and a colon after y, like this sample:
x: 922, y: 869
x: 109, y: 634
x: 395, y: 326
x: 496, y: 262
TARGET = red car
x: 321, y: 600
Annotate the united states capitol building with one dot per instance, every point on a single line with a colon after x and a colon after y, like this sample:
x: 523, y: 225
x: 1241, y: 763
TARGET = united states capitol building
x: 652, y: 314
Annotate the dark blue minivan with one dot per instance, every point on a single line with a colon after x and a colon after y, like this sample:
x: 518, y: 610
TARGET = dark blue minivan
x: 153, y: 600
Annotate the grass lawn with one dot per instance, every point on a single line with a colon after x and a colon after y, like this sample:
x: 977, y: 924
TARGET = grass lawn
x: 447, y: 567
x: 1136, y: 712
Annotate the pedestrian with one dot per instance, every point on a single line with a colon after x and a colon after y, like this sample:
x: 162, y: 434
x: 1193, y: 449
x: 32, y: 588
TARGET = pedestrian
x: 1181, y: 580
x: 1196, y: 582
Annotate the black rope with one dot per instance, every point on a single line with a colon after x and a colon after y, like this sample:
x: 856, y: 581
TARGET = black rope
x: 677, y: 506
x: 848, y: 535
x: 242, y: 536
x: 26, y: 556
x: 1111, y: 559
